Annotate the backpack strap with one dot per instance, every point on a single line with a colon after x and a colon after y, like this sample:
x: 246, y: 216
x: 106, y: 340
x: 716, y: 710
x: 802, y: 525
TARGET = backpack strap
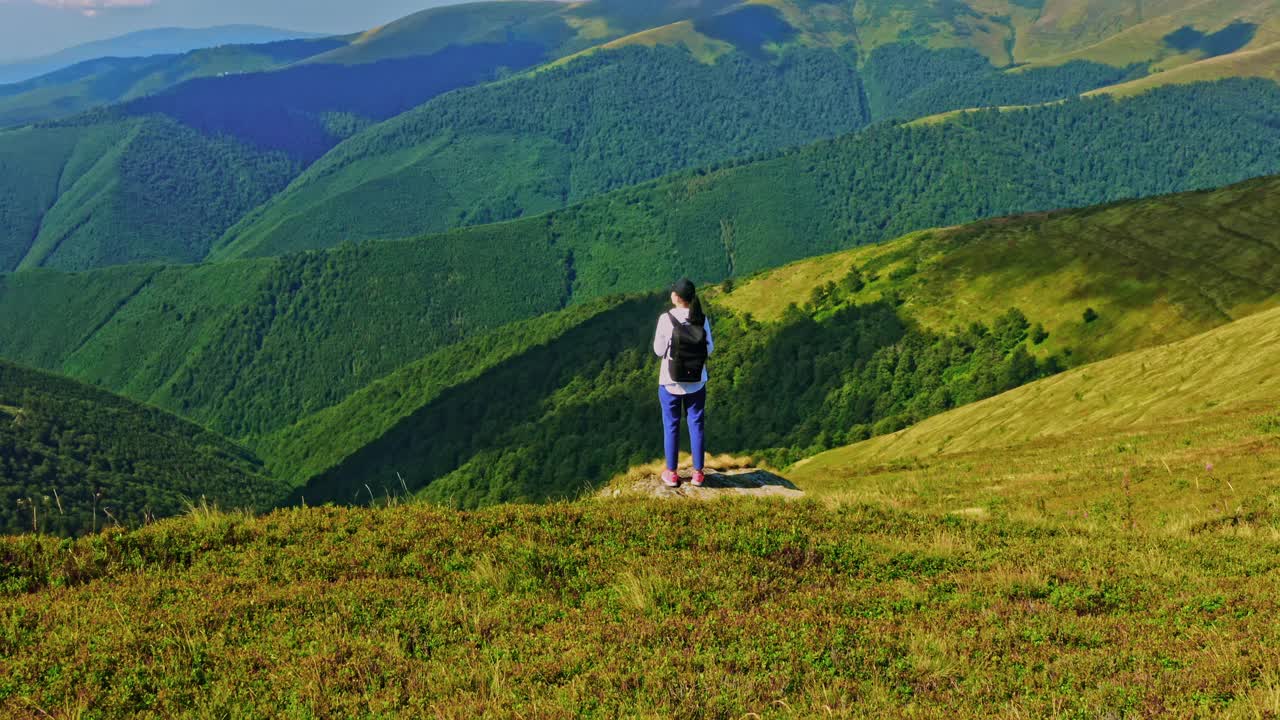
x: 672, y: 338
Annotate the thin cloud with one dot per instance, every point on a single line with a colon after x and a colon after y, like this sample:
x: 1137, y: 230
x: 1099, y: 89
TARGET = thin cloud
x: 91, y: 8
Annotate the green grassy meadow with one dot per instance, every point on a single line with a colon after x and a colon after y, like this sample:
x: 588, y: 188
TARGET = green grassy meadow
x: 639, y: 608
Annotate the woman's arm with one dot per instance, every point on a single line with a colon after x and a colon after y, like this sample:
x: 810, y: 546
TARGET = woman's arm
x: 662, y: 337
x: 711, y: 345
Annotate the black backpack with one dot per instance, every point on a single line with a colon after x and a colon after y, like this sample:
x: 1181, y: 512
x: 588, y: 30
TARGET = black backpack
x: 688, y: 354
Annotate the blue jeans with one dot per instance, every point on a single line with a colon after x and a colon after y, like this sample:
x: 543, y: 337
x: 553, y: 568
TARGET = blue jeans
x: 673, y: 406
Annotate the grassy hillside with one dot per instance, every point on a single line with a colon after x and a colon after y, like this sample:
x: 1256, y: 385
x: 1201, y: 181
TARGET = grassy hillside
x: 1156, y: 44
x: 1181, y: 436
x: 638, y: 608
x: 108, y: 80
x: 1119, y: 34
x: 74, y: 458
x: 1260, y: 62
x: 1154, y: 271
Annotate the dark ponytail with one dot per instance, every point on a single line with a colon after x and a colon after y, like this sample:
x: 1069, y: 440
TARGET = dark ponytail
x: 696, y: 316
x: 685, y: 290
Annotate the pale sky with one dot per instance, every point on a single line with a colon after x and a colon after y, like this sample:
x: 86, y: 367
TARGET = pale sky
x: 31, y: 28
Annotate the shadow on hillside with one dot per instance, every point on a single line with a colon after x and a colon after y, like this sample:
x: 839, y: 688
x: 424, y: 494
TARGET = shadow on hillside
x: 283, y: 110
x: 741, y: 482
x: 513, y: 410
x: 752, y: 479
x: 749, y: 28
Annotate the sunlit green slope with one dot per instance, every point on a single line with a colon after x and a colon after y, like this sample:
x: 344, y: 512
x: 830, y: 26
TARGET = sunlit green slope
x: 1180, y: 436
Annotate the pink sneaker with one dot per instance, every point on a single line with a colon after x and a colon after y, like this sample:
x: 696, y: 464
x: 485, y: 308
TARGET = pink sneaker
x: 670, y: 478
x: 699, y: 477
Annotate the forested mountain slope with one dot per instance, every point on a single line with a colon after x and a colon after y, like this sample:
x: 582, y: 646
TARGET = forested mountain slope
x: 526, y: 145
x: 127, y: 190
x: 74, y: 458
x: 215, y: 147
x: 537, y: 143
x: 78, y: 196
x: 249, y: 347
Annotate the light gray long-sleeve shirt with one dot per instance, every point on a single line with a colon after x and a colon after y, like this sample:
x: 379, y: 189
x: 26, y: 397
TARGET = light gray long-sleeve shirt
x: 662, y: 348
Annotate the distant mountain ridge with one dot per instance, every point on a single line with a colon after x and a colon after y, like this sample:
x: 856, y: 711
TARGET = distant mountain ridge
x: 159, y: 41
x: 94, y: 83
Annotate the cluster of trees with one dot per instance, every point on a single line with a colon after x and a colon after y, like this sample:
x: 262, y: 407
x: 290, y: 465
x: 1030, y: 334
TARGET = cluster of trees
x: 891, y: 180
x: 842, y: 373
x: 73, y: 458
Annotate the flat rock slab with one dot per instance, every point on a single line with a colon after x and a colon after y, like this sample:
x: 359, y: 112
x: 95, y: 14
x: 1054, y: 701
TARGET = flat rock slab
x: 745, y: 482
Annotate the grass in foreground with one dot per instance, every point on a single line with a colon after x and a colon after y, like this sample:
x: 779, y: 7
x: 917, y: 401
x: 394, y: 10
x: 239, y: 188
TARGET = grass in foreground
x: 653, y: 609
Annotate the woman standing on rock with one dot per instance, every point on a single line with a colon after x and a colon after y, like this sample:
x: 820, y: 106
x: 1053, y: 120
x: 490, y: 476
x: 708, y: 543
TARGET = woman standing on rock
x: 683, y: 341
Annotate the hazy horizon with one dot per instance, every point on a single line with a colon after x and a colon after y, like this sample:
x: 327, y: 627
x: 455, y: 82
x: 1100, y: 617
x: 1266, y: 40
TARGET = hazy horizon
x: 31, y: 29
